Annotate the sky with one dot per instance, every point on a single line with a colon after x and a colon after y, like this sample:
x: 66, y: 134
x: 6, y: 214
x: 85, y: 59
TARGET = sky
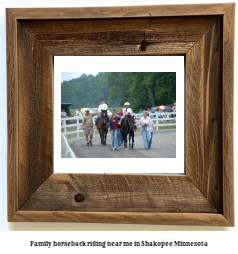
x: 66, y: 76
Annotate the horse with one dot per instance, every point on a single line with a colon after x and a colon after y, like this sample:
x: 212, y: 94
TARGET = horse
x: 103, y: 125
x: 127, y: 127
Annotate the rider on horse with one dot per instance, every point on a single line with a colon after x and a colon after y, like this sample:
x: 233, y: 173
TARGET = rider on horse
x: 127, y: 125
x: 102, y: 106
x: 127, y: 110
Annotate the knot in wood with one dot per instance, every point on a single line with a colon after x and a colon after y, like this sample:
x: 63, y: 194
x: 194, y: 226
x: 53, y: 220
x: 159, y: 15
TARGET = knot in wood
x: 143, y: 45
x: 79, y: 198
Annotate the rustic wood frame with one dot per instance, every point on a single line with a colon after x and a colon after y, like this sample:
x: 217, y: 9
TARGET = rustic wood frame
x: 202, y: 33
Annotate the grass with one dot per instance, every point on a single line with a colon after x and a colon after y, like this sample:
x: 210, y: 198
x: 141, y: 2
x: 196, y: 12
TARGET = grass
x: 72, y: 111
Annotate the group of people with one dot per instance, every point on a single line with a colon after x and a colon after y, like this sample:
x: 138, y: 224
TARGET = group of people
x: 141, y: 111
x: 115, y: 121
x: 163, y: 114
x: 145, y: 122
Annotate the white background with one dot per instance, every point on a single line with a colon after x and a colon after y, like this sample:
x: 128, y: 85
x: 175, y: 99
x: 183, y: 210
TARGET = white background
x: 124, y: 64
x: 19, y: 242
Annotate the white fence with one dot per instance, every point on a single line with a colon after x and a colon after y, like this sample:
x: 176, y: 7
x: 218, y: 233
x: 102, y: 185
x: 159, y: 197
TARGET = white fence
x: 66, y: 151
x: 159, y: 120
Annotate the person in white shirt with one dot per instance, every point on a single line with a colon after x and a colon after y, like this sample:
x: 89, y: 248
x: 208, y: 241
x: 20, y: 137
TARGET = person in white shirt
x: 151, y: 131
x: 63, y: 114
x: 103, y: 106
x: 148, y: 110
x: 127, y: 110
x: 79, y: 113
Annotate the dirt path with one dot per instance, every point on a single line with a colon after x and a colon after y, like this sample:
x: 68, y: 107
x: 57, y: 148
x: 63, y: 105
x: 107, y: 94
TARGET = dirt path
x: 163, y: 146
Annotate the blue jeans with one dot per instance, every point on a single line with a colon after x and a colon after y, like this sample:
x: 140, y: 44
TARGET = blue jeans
x: 114, y: 138
x: 146, y: 136
x: 149, y: 145
x: 119, y: 137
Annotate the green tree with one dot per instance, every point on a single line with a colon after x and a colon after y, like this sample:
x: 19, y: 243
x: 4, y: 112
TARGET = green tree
x: 140, y: 89
x: 86, y: 91
x: 119, y: 83
x: 152, y: 88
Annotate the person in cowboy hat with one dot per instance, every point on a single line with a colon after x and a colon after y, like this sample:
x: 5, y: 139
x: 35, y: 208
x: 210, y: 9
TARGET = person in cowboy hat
x: 102, y: 106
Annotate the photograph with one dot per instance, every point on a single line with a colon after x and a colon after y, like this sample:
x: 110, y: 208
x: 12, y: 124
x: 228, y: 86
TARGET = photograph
x: 118, y: 115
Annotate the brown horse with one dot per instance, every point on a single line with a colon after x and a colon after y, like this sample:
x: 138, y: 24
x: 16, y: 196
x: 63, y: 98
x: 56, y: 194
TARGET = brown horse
x: 103, y: 125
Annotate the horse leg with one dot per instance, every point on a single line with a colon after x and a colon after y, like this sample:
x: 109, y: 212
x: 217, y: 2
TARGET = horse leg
x: 103, y: 138
x: 132, y: 139
x: 100, y: 134
x: 106, y: 138
x: 125, y: 141
x: 129, y: 140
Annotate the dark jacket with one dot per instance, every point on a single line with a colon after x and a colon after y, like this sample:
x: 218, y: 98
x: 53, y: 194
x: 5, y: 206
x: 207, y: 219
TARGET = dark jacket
x: 118, y: 119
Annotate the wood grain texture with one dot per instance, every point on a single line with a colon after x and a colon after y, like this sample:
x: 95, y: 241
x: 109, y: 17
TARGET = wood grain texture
x: 119, y: 36
x: 114, y: 193
x: 192, y: 219
x: 35, y: 111
x: 203, y: 144
x: 59, y: 48
x: 12, y: 116
x: 227, y: 119
x: 189, y: 26
x: 121, y: 11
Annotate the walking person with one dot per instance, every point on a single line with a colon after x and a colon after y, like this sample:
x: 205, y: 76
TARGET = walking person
x: 113, y: 121
x: 88, y: 126
x: 146, y: 124
x: 120, y: 137
x: 151, y: 134
x: 119, y: 134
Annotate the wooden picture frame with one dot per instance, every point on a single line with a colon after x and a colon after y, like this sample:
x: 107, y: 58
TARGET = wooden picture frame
x: 204, y: 34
